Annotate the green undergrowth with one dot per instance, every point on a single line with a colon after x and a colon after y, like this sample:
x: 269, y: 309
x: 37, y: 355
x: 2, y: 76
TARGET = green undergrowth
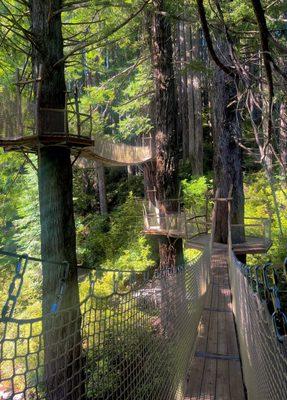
x: 259, y: 204
x: 115, y: 241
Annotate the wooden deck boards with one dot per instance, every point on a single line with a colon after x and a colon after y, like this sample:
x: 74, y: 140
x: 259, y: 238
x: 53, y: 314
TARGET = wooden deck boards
x: 31, y: 143
x: 215, y: 371
x: 252, y: 245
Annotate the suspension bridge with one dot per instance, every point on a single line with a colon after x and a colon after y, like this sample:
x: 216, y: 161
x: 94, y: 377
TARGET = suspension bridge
x: 211, y: 329
x: 25, y: 127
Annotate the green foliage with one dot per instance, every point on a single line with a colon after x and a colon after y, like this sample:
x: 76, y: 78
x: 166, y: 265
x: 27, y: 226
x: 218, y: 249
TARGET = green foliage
x: 194, y: 194
x: 116, y: 358
x: 119, y: 186
x: 259, y: 204
x: 116, y: 242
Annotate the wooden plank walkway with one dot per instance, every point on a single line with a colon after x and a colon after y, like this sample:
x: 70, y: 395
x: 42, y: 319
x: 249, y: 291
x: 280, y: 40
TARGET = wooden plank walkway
x: 215, y: 371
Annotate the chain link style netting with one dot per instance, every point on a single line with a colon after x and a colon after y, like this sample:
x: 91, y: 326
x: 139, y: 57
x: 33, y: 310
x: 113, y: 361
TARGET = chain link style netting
x: 134, y: 343
x: 264, y: 357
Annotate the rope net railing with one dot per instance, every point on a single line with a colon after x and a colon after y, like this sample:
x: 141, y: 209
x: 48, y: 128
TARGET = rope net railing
x: 131, y: 337
x: 262, y: 328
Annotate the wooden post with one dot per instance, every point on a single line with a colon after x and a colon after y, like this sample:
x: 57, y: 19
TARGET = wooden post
x: 19, y: 104
x: 206, y: 214
x: 76, y: 97
x: 66, y: 126
x: 185, y: 224
x: 213, y: 219
x: 229, y: 221
x: 91, y: 121
x: 38, y: 98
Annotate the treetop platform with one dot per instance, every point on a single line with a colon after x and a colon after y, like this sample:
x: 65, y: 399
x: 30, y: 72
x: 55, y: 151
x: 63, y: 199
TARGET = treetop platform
x: 24, y: 126
x: 197, y: 230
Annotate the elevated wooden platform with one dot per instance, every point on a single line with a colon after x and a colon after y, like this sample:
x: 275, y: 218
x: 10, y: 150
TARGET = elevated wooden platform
x: 252, y: 245
x: 215, y: 371
x: 32, y: 143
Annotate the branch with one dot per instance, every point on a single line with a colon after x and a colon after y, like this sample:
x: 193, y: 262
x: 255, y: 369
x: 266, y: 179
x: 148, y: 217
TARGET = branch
x: 267, y: 59
x: 94, y: 41
x: 201, y: 10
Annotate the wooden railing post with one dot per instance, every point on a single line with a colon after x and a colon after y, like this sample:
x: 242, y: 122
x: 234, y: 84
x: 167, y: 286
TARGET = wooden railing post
x: 19, y: 104
x: 185, y: 225
x: 229, y: 221
x: 38, y: 97
x: 213, y: 219
x: 77, y: 107
x: 66, y: 127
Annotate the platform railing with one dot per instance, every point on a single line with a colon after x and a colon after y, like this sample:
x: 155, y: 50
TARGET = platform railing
x: 254, y: 228
x: 26, y: 119
x: 197, y: 225
x: 169, y: 224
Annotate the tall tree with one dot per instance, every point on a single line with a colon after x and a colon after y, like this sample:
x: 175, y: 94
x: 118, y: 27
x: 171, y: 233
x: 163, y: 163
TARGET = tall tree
x: 166, y: 128
x: 226, y: 131
x: 58, y: 238
x: 196, y: 148
x: 227, y: 156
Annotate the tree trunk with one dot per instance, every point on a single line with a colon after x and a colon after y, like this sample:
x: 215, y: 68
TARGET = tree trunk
x: 268, y: 154
x: 62, y: 343
x: 182, y: 87
x: 283, y: 137
x: 194, y: 101
x: 190, y: 98
x: 197, y: 168
x: 102, y: 189
x: 227, y: 157
x: 166, y: 113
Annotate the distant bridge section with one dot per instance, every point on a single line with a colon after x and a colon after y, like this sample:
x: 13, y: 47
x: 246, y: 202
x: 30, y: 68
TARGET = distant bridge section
x: 116, y: 154
x: 26, y: 127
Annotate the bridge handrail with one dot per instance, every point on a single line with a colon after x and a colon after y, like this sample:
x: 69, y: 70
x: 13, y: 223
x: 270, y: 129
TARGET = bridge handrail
x: 262, y: 332
x: 155, y: 320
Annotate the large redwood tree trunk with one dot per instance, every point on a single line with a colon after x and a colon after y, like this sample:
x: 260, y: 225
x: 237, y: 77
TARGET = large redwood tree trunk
x: 166, y: 128
x: 62, y: 346
x: 227, y: 156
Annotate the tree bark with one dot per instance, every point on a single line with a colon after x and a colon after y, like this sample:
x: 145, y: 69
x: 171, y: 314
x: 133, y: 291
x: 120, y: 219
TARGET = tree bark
x: 102, y: 189
x: 190, y: 98
x: 197, y: 167
x: 166, y: 135
x: 283, y: 137
x: 227, y: 156
x: 194, y: 101
x: 62, y: 343
x: 182, y: 87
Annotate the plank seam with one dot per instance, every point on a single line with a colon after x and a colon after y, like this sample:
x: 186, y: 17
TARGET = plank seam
x: 217, y: 310
x: 213, y: 356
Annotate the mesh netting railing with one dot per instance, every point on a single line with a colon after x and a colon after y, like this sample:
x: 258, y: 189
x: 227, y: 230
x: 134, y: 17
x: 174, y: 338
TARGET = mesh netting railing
x: 18, y: 117
x: 263, y: 350
x: 258, y: 228
x: 132, y: 342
